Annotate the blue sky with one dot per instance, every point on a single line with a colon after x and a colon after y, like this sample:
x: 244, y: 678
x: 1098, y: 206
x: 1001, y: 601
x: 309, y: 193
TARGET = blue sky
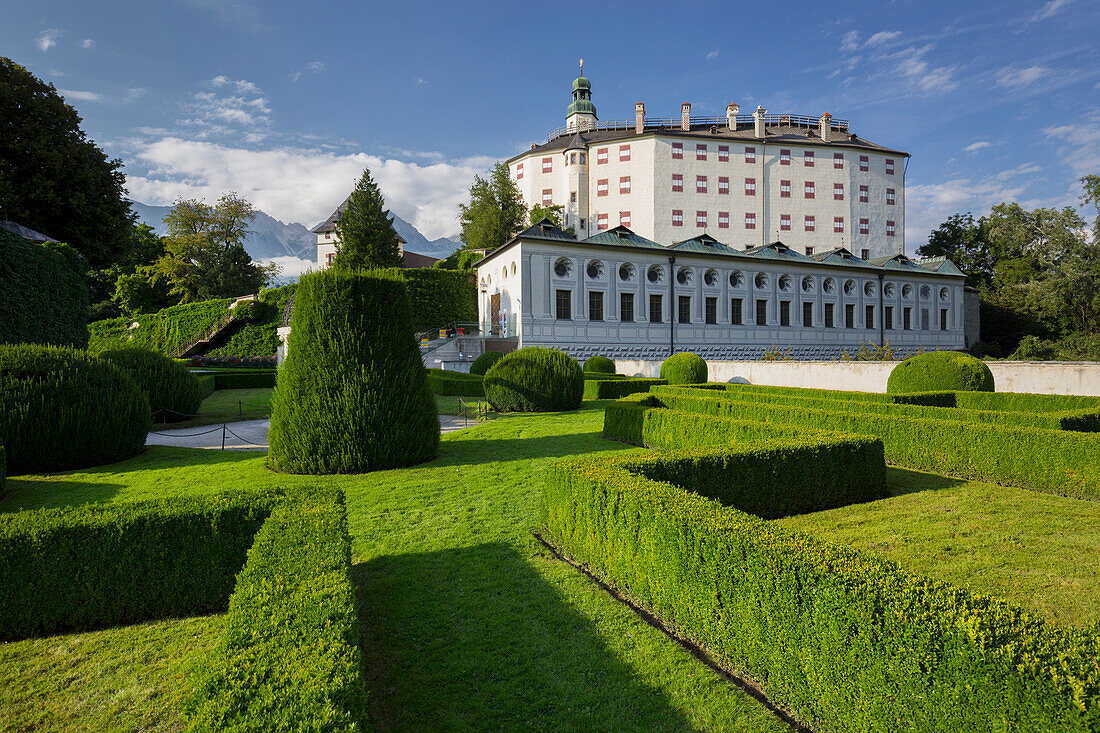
x: 286, y: 102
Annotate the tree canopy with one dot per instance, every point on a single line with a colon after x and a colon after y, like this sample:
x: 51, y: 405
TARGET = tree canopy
x: 365, y: 234
x: 52, y: 177
x: 495, y: 212
x: 555, y: 213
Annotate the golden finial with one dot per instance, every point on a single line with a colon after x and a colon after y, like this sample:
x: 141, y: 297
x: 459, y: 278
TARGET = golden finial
x: 582, y: 67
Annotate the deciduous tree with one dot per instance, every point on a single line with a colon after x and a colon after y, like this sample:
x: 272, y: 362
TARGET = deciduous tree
x: 495, y: 212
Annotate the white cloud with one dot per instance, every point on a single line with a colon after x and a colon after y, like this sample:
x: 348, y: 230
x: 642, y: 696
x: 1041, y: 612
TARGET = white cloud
x: 975, y: 147
x: 314, y: 66
x: 712, y: 55
x: 1082, y: 154
x: 1011, y: 77
x: 244, y: 110
x: 850, y: 41
x: 290, y: 268
x: 881, y: 37
x: 300, y: 185
x: 1048, y: 10
x: 913, y: 67
x: 79, y: 96
x: 87, y: 43
x: 47, y: 39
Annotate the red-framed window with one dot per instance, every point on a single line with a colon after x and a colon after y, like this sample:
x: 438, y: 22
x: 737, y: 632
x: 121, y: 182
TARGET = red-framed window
x: 601, y: 156
x: 890, y: 228
x: 889, y: 166
x: 808, y: 190
x: 601, y: 221
x: 890, y: 197
x: 624, y: 153
x: 863, y: 163
x: 677, y: 217
x: 519, y: 171
x: 838, y: 192
x: 700, y: 184
x: 750, y: 220
x: 838, y: 161
x: 700, y: 151
x: 701, y: 219
x: 838, y: 224
x: 784, y: 222
x: 809, y: 223
x: 624, y: 218
x: 601, y: 187
x: 750, y: 155
x: 723, y: 184
x: 547, y: 165
x: 784, y: 156
x: 677, y: 151
x: 808, y: 158
x: 547, y: 196
x: 723, y: 220
x: 677, y: 182
x: 750, y: 186
x: 329, y: 258
x: 784, y: 189
x: 723, y: 153
x: 864, y: 226
x: 864, y: 195
x: 624, y: 184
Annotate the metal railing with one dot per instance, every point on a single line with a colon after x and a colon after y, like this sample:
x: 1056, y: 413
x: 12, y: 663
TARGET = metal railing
x: 454, y: 329
x: 673, y: 123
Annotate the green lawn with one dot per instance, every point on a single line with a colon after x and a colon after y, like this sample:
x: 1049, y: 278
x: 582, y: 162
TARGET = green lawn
x: 452, y: 405
x: 470, y: 623
x: 228, y: 405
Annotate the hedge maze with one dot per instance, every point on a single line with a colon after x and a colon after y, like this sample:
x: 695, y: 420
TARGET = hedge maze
x: 849, y: 640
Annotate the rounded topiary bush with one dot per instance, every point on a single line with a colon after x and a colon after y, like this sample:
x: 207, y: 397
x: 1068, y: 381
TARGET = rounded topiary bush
x: 352, y: 395
x: 173, y: 392
x: 940, y: 371
x: 62, y: 409
x: 482, y: 364
x: 684, y: 368
x: 535, y: 380
x: 599, y: 365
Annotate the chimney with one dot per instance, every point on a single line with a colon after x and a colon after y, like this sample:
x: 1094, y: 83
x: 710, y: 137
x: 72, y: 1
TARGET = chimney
x: 825, y: 126
x: 639, y: 117
x: 685, y: 116
x: 758, y: 120
x: 731, y: 116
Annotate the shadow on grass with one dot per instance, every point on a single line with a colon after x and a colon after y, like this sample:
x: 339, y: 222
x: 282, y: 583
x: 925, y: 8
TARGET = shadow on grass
x: 900, y: 481
x: 474, y: 638
x: 472, y: 450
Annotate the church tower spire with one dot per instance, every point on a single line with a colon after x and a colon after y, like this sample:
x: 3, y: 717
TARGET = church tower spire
x: 581, y: 113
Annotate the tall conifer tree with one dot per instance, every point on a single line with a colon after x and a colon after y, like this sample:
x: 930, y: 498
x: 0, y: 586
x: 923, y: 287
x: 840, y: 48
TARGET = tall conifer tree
x: 367, y: 237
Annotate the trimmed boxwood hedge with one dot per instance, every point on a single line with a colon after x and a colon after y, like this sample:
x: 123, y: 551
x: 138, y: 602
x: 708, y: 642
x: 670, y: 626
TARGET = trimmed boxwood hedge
x: 44, y: 298
x: 612, y: 389
x: 164, y: 331
x: 535, y: 380
x: 352, y: 395
x: 289, y: 656
x: 173, y: 392
x: 245, y: 378
x: 684, y: 368
x: 599, y: 365
x: 445, y: 382
x: 487, y: 359
x: 62, y: 409
x: 939, y: 371
x: 3, y: 469
x: 850, y: 641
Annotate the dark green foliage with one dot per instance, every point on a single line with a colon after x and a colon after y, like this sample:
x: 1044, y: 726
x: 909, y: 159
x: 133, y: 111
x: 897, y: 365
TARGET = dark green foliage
x: 939, y: 371
x: 244, y: 378
x: 851, y: 641
x: 165, y: 331
x: 43, y: 297
x: 495, y: 212
x: 248, y: 310
x: 365, y: 231
x: 613, y: 389
x: 173, y: 392
x: 444, y: 382
x: 260, y: 337
x: 352, y: 395
x: 3, y: 469
x: 482, y: 363
x: 535, y: 380
x: 599, y: 365
x: 927, y: 399
x: 1026, y: 401
x: 114, y: 563
x: 289, y: 656
x: 62, y: 409
x: 439, y: 297
x: 684, y: 368
x: 208, y: 384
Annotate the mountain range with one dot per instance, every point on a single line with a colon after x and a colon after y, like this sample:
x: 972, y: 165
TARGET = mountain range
x: 270, y: 237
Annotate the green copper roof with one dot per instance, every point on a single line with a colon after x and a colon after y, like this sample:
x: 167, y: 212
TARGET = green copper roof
x: 707, y: 245
x: 621, y: 236
x: 582, y: 98
x: 581, y: 83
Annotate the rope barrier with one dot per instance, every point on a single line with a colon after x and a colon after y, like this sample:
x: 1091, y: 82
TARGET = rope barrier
x: 258, y: 445
x: 189, y: 435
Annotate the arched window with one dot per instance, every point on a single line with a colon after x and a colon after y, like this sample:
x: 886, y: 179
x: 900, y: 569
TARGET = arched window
x: 760, y: 281
x: 907, y: 291
x: 683, y: 276
x: 828, y: 285
x: 785, y: 283
x: 655, y: 274
x: 807, y: 284
x: 849, y: 287
x: 626, y: 272
x: 737, y: 279
x: 888, y: 290
x: 869, y: 289
x: 594, y: 270
x: 925, y: 292
x: 563, y: 267
x: 710, y: 277
x: 943, y: 294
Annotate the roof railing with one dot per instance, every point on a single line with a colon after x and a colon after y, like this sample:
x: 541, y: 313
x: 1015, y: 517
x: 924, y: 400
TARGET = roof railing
x: 673, y: 123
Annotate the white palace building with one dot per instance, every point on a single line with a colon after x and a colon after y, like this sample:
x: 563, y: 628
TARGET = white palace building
x: 725, y: 237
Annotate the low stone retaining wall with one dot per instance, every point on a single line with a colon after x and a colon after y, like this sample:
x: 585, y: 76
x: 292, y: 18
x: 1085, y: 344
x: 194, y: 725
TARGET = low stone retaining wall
x: 1040, y: 377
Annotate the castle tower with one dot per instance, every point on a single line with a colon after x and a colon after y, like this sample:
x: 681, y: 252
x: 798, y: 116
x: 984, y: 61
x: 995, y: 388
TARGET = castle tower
x: 581, y: 113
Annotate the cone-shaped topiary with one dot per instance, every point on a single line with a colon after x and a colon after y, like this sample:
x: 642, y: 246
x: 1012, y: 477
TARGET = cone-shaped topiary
x: 940, y: 371
x: 535, y: 380
x: 352, y: 395
x: 482, y: 364
x: 599, y: 365
x: 684, y: 368
x: 173, y: 392
x: 62, y: 409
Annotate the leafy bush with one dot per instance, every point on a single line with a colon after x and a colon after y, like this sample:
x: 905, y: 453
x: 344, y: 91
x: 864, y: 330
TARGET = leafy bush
x: 851, y: 641
x: 612, y: 389
x: 352, y: 395
x: 599, y: 365
x: 482, y: 363
x: 114, y: 563
x: 44, y: 299
x: 938, y: 371
x: 173, y: 392
x: 684, y: 368
x: 62, y: 409
x: 245, y: 378
x: 1032, y: 348
x: 165, y: 331
x: 247, y: 310
x: 258, y: 339
x: 535, y: 380
x: 289, y: 654
x: 444, y: 382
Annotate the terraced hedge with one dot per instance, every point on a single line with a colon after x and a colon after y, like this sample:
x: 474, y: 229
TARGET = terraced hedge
x: 597, y: 388
x: 164, y: 331
x: 44, y: 298
x: 444, y: 382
